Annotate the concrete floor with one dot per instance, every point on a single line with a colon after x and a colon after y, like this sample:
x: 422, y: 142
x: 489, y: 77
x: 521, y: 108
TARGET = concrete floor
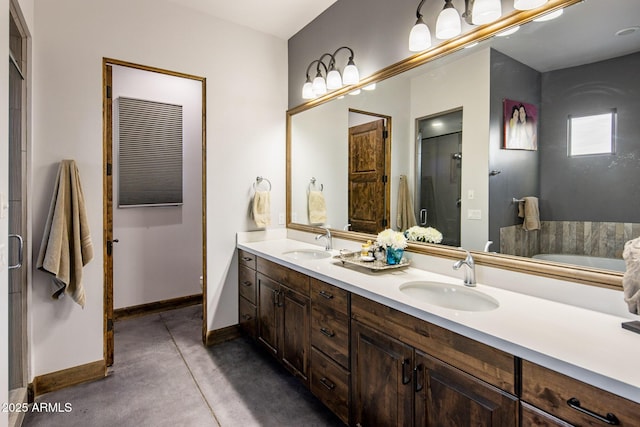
x: 164, y: 376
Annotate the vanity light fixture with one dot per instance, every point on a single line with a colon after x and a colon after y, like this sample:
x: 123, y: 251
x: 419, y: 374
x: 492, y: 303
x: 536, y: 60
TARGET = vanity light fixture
x: 508, y: 32
x: 549, y: 16
x: 319, y: 86
x: 420, y: 36
x: 448, y: 24
x: 528, y: 4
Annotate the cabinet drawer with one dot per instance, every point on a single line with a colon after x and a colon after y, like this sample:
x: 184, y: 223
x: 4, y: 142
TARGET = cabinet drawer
x: 247, y: 259
x: 290, y: 278
x: 330, y: 383
x: 330, y: 333
x: 532, y: 416
x: 247, y: 283
x: 572, y: 400
x: 329, y: 295
x: 248, y: 320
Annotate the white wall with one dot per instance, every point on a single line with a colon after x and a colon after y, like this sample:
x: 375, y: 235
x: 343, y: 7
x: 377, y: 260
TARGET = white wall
x: 158, y: 255
x: 246, y: 99
x: 4, y: 220
x: 463, y: 83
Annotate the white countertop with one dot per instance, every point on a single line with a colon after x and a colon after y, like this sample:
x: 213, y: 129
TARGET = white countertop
x: 584, y: 344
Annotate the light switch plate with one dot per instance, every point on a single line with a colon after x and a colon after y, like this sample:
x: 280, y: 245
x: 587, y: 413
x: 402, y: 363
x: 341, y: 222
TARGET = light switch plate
x: 281, y: 219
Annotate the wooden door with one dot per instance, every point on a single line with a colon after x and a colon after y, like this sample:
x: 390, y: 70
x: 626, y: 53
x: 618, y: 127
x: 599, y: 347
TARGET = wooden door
x: 448, y: 397
x: 367, y: 177
x: 294, y: 330
x: 382, y: 393
x: 268, y: 295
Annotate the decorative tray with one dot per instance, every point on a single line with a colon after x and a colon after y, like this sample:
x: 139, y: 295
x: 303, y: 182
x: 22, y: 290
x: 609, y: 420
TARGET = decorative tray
x: 354, y: 258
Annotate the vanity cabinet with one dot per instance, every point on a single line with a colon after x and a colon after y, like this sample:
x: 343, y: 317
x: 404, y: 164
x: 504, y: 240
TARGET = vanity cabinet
x: 574, y: 401
x: 283, y: 308
x: 406, y: 371
x: 330, y: 376
x: 247, y: 293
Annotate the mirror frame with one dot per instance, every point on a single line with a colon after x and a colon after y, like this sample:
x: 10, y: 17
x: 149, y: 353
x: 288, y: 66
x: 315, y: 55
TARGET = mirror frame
x: 579, y: 274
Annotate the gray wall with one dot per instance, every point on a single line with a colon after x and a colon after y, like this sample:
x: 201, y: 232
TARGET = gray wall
x: 519, y: 168
x: 377, y: 31
x: 591, y: 188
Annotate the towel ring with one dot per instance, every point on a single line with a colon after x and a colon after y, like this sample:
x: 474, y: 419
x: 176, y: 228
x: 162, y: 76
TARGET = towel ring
x: 259, y: 181
x: 313, y: 183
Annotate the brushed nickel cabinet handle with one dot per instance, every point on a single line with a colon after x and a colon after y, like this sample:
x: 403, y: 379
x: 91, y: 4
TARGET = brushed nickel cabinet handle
x: 327, y: 332
x: 328, y: 384
x: 326, y: 295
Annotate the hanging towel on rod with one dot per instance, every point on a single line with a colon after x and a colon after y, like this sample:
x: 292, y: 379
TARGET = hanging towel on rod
x: 406, y: 217
x: 262, y: 208
x: 66, y: 244
x: 528, y: 209
x: 317, y: 207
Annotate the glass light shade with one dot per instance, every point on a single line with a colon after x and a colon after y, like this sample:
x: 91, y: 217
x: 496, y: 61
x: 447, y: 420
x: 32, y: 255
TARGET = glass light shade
x: 420, y: 37
x: 508, y: 32
x: 550, y: 16
x: 528, y: 4
x: 350, y: 76
x: 355, y: 92
x: 334, y: 80
x: 307, y: 91
x: 485, y: 11
x: 448, y: 24
x: 372, y: 86
x: 319, y: 86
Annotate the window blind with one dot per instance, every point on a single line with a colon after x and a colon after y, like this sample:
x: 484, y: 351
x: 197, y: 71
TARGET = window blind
x: 150, y: 158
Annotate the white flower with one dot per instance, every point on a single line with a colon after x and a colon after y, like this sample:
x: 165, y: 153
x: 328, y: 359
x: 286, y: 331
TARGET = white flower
x: 391, y: 239
x: 422, y: 234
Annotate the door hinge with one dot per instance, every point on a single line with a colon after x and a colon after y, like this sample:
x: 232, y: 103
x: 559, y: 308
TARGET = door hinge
x: 109, y: 169
x: 385, y: 178
x: 109, y: 325
x: 384, y: 222
x: 385, y: 134
x: 108, y: 92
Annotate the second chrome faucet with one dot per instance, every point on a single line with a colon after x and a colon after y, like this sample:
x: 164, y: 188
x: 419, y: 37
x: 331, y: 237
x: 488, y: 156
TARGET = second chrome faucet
x: 470, y: 271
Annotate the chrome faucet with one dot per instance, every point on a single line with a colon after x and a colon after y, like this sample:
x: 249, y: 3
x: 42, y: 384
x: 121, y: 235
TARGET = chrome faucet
x: 470, y: 271
x: 328, y: 246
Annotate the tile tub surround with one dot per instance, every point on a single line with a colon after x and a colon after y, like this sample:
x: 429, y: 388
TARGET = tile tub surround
x: 585, y: 344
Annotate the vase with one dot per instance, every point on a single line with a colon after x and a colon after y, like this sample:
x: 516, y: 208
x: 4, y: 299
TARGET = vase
x: 394, y: 256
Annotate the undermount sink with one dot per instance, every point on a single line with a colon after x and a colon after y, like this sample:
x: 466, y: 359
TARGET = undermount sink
x: 304, y: 254
x: 450, y: 296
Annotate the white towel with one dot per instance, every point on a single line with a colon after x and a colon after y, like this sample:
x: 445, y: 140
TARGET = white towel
x: 631, y: 278
x: 317, y: 207
x: 528, y: 209
x: 262, y: 208
x: 66, y: 244
x: 405, y: 217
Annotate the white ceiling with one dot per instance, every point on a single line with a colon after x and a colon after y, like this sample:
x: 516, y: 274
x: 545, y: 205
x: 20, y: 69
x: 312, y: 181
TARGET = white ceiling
x: 281, y: 18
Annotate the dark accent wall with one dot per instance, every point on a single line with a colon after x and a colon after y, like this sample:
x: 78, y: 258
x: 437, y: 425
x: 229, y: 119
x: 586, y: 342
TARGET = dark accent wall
x: 599, y: 187
x: 513, y: 80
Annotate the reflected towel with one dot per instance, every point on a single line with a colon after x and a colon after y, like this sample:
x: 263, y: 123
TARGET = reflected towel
x: 405, y: 217
x: 528, y: 209
x: 317, y: 207
x: 66, y: 244
x: 262, y: 208
x: 631, y: 278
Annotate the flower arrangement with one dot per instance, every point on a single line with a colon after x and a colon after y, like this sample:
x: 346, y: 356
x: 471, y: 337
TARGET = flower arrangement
x: 391, y: 239
x: 423, y: 234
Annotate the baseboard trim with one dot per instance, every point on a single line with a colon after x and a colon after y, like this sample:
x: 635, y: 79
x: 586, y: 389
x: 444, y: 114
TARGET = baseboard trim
x: 156, y: 307
x: 219, y: 336
x: 69, y: 377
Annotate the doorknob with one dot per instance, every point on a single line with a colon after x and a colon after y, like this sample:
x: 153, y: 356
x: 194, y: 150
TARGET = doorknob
x: 110, y: 245
x: 20, y: 250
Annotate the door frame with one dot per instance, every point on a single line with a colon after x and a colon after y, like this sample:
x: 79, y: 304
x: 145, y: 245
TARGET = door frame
x: 107, y: 199
x: 387, y: 159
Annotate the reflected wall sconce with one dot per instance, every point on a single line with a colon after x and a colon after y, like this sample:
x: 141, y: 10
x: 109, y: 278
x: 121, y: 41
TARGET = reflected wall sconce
x: 449, y: 21
x: 332, y: 78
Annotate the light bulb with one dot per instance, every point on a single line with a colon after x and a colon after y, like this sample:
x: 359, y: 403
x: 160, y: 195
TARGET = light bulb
x: 528, y: 4
x: 319, y: 86
x: 334, y: 81
x: 420, y: 37
x: 448, y: 23
x: 485, y: 11
x: 307, y: 90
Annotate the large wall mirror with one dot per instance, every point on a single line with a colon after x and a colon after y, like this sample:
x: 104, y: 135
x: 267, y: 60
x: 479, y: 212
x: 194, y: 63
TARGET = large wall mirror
x: 452, y: 119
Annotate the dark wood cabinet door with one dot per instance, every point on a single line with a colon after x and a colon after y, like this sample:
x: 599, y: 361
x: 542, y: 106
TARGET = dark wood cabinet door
x: 381, y: 379
x: 448, y: 397
x: 268, y: 293
x: 295, y: 317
